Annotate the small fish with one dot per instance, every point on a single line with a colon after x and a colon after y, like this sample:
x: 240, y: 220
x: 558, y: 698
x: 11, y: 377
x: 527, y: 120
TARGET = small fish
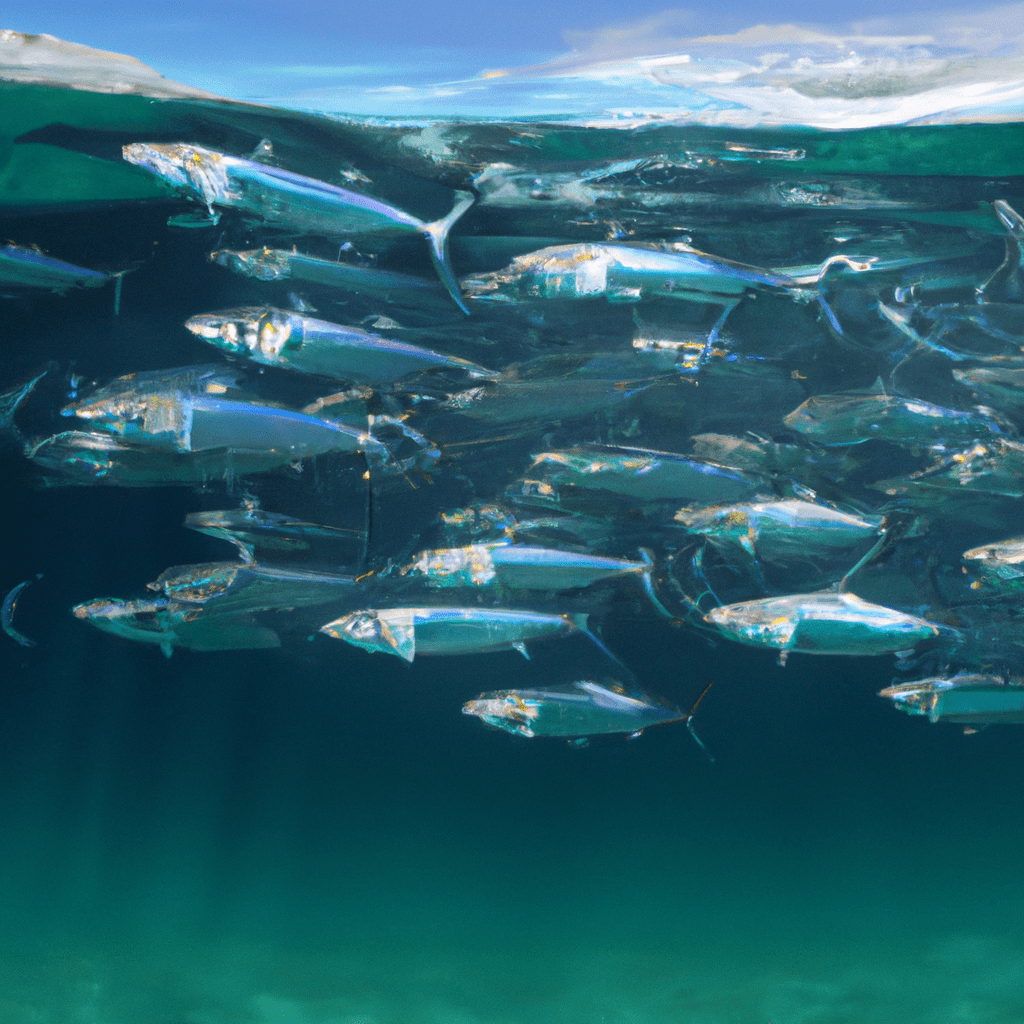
x: 252, y: 529
x: 1001, y: 562
x: 284, y: 265
x: 220, y: 588
x: 971, y: 699
x: 779, y: 530
x: 583, y: 708
x: 519, y: 567
x: 276, y: 337
x: 293, y: 202
x: 7, y: 613
x: 648, y: 475
x: 24, y: 267
x: 156, y: 622
x: 826, y: 622
x: 859, y: 416
x: 406, y: 632
x: 624, y: 272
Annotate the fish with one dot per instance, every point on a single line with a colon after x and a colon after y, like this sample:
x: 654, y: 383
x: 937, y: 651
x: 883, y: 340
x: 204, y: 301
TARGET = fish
x: 390, y: 286
x: 967, y: 698
x: 293, y: 341
x: 582, y: 708
x: 157, y: 622
x: 519, y: 567
x: 26, y: 267
x: 827, y: 622
x: 858, y: 416
x: 252, y: 529
x: 625, y: 272
x: 648, y: 475
x: 1001, y: 384
x: 197, y: 415
x: 93, y: 457
x: 999, y: 563
x: 219, y: 588
x: 293, y: 202
x: 406, y: 632
x: 779, y: 530
x: 990, y: 470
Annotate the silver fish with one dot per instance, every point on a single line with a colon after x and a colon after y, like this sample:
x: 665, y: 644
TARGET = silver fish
x: 778, y: 530
x: 285, y: 265
x: 519, y: 567
x: 292, y: 202
x: 23, y: 267
x: 971, y: 699
x: 648, y: 475
x: 859, y: 416
x: 218, y: 588
x: 583, y: 708
x: 156, y: 622
x: 277, y: 337
x: 406, y: 632
x: 623, y: 272
x: 822, y: 623
x: 252, y: 529
x: 1001, y: 562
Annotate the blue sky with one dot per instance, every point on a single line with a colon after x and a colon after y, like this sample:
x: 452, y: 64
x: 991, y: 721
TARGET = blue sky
x: 513, y: 31
x: 424, y: 56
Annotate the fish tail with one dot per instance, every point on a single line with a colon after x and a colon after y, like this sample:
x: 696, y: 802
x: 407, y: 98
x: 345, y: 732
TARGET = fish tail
x: 437, y: 233
x: 648, y: 583
x: 689, y: 721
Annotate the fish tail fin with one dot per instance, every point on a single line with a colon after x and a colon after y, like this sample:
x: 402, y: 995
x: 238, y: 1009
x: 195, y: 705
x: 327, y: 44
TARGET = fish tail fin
x: 648, y: 583
x: 437, y: 233
x: 689, y: 721
x: 11, y: 401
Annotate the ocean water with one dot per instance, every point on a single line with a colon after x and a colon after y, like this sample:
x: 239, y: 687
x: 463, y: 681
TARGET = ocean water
x: 313, y: 834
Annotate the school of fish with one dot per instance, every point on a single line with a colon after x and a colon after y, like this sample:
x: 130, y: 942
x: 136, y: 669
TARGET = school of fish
x: 588, y: 395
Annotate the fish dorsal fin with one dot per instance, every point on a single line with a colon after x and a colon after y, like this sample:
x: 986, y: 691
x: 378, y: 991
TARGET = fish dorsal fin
x: 264, y: 152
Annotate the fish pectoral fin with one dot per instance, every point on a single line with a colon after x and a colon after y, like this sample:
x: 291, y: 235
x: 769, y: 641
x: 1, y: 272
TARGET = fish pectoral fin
x: 521, y: 648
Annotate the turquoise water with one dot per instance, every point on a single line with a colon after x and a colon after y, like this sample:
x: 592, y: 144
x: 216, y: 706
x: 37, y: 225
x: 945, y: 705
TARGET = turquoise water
x: 316, y: 835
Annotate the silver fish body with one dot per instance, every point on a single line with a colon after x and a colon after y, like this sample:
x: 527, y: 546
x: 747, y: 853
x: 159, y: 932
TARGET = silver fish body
x: 854, y: 418
x: 519, y: 567
x: 969, y: 698
x: 1001, y: 562
x: 22, y: 267
x: 277, y: 337
x: 777, y: 530
x: 648, y: 475
x: 406, y: 632
x: 291, y: 201
x: 585, y: 708
x: 821, y: 623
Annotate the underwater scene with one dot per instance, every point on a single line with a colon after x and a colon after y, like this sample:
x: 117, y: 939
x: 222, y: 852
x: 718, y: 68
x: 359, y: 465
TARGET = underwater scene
x: 542, y: 546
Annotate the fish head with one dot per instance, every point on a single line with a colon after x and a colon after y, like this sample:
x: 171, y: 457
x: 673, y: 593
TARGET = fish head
x: 262, y: 332
x: 754, y: 622
x: 389, y: 632
x: 198, y: 172
x: 504, y: 710
x: 915, y: 698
